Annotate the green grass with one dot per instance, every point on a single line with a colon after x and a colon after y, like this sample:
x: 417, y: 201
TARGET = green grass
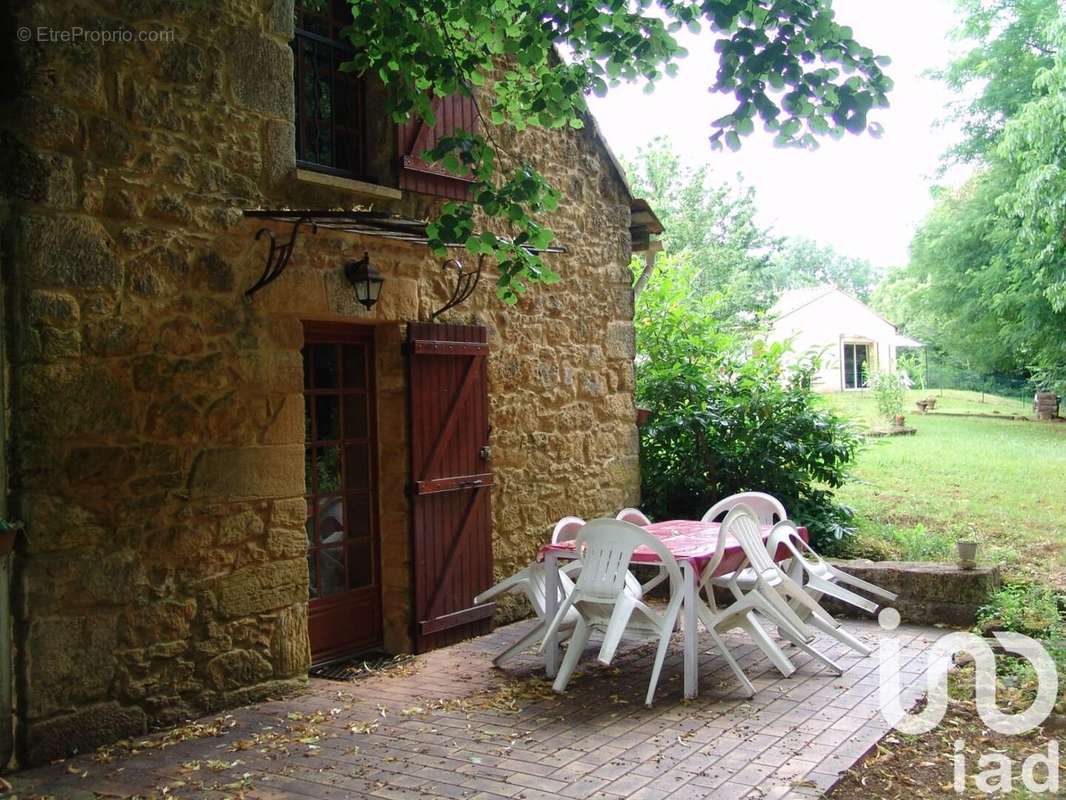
x: 861, y: 406
x: 1000, y: 481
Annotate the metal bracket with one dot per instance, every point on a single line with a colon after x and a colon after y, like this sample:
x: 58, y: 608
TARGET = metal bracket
x: 465, y: 282
x: 278, y: 256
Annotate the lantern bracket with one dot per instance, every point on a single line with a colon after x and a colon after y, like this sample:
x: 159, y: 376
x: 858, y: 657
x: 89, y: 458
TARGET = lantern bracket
x: 465, y: 282
x: 278, y: 255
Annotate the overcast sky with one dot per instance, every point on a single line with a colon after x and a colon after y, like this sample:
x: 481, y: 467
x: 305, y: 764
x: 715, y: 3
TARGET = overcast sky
x: 862, y: 195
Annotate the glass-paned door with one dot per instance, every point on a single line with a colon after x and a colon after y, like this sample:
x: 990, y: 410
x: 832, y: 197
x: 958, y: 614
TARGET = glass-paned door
x: 341, y: 483
x: 855, y: 358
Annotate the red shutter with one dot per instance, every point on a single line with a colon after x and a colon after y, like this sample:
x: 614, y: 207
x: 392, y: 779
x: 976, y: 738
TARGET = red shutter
x: 453, y: 113
x: 451, y: 482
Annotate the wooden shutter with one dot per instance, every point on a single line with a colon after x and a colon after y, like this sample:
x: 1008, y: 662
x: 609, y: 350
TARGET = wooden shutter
x: 451, y: 482
x: 453, y: 113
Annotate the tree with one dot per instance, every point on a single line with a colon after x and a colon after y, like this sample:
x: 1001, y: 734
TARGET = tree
x: 709, y: 225
x: 987, y: 276
x: 789, y: 64
x: 803, y: 262
x: 996, y: 76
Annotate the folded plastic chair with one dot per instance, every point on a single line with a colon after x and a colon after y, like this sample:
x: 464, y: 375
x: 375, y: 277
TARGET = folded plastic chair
x: 766, y: 508
x: 603, y: 602
x: 531, y: 582
x: 785, y: 596
x: 822, y: 579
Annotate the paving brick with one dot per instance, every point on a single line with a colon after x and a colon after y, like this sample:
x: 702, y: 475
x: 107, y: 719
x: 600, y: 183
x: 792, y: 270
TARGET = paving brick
x: 586, y: 746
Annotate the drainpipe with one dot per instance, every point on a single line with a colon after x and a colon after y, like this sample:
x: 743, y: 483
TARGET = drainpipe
x: 654, y: 247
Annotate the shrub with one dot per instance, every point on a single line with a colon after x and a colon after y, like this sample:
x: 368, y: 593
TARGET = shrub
x: 889, y: 392
x: 1026, y: 608
x: 731, y: 416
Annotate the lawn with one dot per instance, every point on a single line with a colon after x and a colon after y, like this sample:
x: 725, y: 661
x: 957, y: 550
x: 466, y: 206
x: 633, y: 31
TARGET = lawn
x: 1002, y: 481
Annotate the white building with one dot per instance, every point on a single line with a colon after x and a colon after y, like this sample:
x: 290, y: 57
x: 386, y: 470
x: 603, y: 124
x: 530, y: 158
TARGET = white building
x: 846, y: 332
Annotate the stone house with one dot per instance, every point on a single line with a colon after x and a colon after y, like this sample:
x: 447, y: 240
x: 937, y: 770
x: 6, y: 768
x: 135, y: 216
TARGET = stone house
x: 219, y: 487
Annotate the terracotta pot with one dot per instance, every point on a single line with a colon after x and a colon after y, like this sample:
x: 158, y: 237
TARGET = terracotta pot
x: 643, y: 415
x: 967, y: 554
x: 898, y: 420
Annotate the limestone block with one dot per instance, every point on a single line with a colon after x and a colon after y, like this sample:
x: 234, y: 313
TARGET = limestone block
x: 45, y: 178
x: 620, y: 342
x: 247, y: 472
x: 279, y: 149
x: 262, y: 588
x: 52, y: 308
x: 167, y: 620
x: 66, y: 252
x: 240, y: 527
x: 289, y: 645
x: 47, y: 123
x: 260, y: 71
x: 100, y: 465
x: 72, y: 581
x: 287, y: 426
x: 69, y: 661
x: 238, y: 668
x: 55, y: 524
x: 69, y: 399
x: 82, y: 731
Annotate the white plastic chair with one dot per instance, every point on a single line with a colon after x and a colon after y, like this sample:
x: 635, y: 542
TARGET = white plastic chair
x: 638, y: 517
x: 531, y: 582
x: 781, y: 593
x: 602, y: 601
x: 633, y: 515
x: 764, y: 506
x: 566, y: 530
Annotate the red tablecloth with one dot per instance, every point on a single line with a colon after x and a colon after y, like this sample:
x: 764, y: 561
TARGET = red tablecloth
x: 687, y: 540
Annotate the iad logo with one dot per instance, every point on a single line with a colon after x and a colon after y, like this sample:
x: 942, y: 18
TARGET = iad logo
x: 998, y: 777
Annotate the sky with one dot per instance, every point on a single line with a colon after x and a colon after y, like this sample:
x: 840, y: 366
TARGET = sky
x: 863, y: 196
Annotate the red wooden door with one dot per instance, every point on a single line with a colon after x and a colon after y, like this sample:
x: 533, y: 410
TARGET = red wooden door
x: 341, y: 483
x: 451, y: 482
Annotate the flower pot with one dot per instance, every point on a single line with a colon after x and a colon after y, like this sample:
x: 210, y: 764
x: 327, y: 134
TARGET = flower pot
x: 898, y: 420
x: 643, y: 415
x: 967, y: 554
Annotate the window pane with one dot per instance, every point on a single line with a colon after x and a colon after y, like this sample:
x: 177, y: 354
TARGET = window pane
x: 307, y: 367
x: 325, y: 370
x: 354, y: 367
x: 309, y: 471
x: 849, y: 366
x: 327, y: 417
x: 358, y: 466
x: 358, y: 515
x: 355, y: 423
x: 327, y: 469
x: 330, y: 520
x: 309, y: 526
x: 360, y: 564
x: 331, y: 568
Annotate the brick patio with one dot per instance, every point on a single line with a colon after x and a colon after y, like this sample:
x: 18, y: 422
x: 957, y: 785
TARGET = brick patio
x: 448, y: 725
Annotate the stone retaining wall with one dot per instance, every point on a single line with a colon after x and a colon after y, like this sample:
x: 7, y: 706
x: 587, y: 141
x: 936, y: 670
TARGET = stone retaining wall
x: 929, y: 593
x: 158, y: 426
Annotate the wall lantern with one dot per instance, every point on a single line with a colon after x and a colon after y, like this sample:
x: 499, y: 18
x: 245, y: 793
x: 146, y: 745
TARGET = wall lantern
x: 366, y: 280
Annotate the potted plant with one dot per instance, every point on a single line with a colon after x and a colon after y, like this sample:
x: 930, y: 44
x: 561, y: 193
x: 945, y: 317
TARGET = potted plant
x: 9, y: 531
x: 966, y: 545
x: 889, y: 390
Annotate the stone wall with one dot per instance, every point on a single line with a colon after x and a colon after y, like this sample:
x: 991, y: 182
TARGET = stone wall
x: 158, y: 417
